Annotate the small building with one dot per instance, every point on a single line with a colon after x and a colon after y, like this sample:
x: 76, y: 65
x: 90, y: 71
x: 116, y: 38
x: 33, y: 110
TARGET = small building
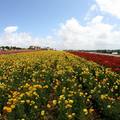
x: 39, y: 48
x: 114, y: 53
x: 35, y: 48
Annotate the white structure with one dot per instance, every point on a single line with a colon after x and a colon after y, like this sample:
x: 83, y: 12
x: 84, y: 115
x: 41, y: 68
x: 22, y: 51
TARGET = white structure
x: 114, y: 53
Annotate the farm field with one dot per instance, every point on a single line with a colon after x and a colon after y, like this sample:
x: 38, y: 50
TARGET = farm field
x: 13, y: 51
x: 56, y: 85
x: 110, y: 61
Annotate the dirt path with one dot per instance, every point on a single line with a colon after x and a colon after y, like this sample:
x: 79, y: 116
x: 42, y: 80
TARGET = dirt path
x: 105, y: 54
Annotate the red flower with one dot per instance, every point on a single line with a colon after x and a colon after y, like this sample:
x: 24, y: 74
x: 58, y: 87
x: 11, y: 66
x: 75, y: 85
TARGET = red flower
x: 105, y: 60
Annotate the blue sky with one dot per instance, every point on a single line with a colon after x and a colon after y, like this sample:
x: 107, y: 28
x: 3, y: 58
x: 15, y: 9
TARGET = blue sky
x: 40, y: 17
x: 62, y: 24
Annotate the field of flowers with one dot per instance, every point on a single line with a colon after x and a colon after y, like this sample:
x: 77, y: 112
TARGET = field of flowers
x: 105, y: 60
x: 13, y: 51
x: 55, y: 85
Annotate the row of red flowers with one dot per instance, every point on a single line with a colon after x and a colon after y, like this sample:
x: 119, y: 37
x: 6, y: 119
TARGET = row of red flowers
x: 105, y: 60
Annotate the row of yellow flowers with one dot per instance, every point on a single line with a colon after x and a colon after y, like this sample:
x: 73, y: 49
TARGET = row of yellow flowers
x: 56, y: 85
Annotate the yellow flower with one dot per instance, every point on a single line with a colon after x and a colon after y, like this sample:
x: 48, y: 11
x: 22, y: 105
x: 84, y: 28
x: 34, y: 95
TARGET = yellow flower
x: 71, y: 101
x: 35, y: 106
x: 116, y: 87
x: 12, y: 106
x: 27, y: 85
x: 38, y: 86
x: 88, y: 100
x: 66, y: 101
x: 81, y: 93
x: 73, y: 114
x: 68, y: 106
x: 54, y: 102
x: 33, y: 80
x: 22, y: 119
x: 14, y: 100
x: 59, y: 102
x: 42, y: 112
x: 63, y: 90
x: 32, y: 102
x: 48, y: 106
x: 46, y: 86
x: 34, y: 93
x: 70, y: 116
x: 91, y: 110
x: 27, y: 101
x: 7, y: 109
x: 22, y: 101
x: 28, y: 93
x: 61, y: 97
x: 104, y: 96
x: 108, y: 106
x: 85, y: 111
x: 21, y: 95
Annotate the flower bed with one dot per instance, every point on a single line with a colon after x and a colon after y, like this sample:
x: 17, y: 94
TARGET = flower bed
x: 55, y: 85
x: 13, y: 51
x: 105, y: 60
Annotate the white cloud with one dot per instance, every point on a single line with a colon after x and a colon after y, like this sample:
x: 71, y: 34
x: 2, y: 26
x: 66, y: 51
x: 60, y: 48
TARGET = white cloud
x: 96, y: 20
x: 92, y: 11
x: 71, y: 35
x: 11, y: 29
x: 110, y: 6
x: 94, y: 35
x: 93, y: 7
x: 23, y: 39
